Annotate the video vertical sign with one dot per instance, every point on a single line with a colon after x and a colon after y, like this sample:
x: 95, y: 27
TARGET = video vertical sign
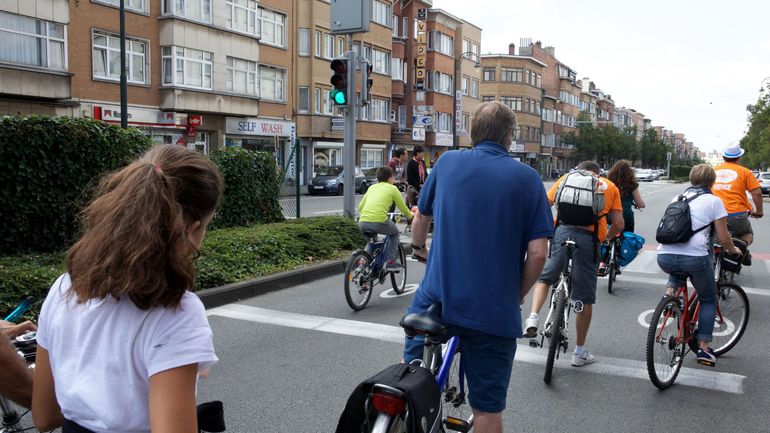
x: 422, y: 18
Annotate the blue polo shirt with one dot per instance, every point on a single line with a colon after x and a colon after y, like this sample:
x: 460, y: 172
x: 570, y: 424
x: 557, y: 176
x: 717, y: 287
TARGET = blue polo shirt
x: 486, y: 208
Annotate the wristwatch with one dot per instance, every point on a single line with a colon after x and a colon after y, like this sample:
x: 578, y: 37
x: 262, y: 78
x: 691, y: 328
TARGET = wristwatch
x: 417, y: 248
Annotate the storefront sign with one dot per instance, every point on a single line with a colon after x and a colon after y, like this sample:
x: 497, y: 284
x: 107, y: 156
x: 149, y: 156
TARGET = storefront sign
x: 422, y: 17
x: 458, y: 111
x: 444, y: 139
x: 254, y: 126
x: 517, y: 147
x: 137, y: 116
x: 532, y: 155
x: 338, y: 124
x: 193, y: 122
x: 418, y: 134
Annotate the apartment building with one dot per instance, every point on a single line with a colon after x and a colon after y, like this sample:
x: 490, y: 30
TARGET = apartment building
x: 516, y: 81
x: 320, y: 126
x: 468, y: 49
x: 605, y: 106
x: 622, y: 117
x: 35, y: 76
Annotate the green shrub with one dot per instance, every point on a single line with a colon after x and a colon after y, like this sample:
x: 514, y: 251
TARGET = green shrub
x: 47, y: 167
x: 227, y: 255
x: 251, y: 188
x: 680, y: 171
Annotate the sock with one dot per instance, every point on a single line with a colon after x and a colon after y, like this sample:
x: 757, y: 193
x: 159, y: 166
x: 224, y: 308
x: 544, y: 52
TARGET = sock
x: 580, y: 350
x: 534, y: 316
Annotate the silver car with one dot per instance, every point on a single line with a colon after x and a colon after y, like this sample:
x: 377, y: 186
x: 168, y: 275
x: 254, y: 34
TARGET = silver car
x: 644, y: 175
x: 764, y: 182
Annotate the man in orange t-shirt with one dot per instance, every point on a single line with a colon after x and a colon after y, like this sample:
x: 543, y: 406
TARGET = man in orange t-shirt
x: 584, y: 264
x: 733, y: 180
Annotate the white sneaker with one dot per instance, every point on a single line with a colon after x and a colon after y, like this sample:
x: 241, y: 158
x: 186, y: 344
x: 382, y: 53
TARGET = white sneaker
x: 530, y: 328
x: 585, y: 359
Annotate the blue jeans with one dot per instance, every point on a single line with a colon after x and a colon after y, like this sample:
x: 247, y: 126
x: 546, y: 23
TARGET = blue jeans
x: 700, y: 270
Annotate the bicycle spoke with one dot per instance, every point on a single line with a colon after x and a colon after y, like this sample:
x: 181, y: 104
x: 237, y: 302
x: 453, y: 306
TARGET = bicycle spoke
x: 665, y: 344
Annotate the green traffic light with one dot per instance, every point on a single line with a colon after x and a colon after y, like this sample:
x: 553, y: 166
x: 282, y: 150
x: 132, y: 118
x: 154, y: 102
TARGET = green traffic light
x: 338, y: 96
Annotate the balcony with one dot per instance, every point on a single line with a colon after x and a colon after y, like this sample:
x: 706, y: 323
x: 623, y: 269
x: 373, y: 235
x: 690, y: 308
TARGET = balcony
x: 33, y: 83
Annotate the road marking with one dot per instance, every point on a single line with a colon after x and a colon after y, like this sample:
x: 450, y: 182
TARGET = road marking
x: 729, y: 325
x: 662, y: 283
x: 661, y: 190
x: 717, y: 381
x: 408, y: 290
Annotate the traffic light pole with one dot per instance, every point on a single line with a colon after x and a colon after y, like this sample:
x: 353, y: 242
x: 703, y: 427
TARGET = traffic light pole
x: 349, y: 151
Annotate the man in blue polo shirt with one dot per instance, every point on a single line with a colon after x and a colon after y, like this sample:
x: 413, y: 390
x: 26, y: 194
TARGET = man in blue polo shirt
x: 491, y: 220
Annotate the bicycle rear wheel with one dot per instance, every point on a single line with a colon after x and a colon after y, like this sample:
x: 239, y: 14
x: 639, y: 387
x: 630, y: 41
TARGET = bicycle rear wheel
x: 665, y: 351
x: 555, y: 333
x: 456, y: 411
x: 358, y: 284
x: 732, y: 317
x: 399, y: 280
x: 387, y: 424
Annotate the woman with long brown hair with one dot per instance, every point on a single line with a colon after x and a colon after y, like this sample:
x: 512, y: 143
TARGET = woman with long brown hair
x: 121, y: 338
x: 622, y: 175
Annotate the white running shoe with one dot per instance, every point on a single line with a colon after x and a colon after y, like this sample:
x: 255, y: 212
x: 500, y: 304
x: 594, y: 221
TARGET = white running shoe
x: 530, y: 329
x: 585, y: 359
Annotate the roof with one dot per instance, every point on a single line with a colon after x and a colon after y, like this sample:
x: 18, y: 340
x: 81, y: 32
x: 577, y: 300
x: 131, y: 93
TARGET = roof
x: 510, y: 56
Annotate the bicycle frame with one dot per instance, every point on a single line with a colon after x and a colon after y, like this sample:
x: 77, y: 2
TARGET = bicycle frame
x: 687, y: 324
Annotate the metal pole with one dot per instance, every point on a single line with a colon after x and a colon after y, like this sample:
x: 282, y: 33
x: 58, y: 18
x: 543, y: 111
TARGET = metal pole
x: 123, y: 89
x: 349, y: 153
x: 297, y: 168
x: 454, y: 107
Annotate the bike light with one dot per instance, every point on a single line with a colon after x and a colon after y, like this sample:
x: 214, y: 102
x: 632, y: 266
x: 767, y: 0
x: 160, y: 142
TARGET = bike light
x: 387, y: 404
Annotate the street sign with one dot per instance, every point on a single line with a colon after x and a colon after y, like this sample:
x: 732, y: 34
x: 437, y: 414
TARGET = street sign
x: 418, y: 134
x: 422, y: 109
x: 668, y: 156
x: 422, y: 14
x: 420, y: 96
x: 420, y: 85
x: 422, y: 121
x: 350, y: 16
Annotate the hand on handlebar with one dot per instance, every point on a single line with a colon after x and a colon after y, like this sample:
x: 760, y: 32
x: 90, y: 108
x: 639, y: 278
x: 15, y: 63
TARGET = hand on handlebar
x: 12, y: 330
x: 735, y: 250
x: 757, y: 214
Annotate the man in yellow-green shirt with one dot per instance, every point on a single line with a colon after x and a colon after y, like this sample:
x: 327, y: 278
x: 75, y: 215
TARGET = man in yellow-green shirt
x: 373, y: 213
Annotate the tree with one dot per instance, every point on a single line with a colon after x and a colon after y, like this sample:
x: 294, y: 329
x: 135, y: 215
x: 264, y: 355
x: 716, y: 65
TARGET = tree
x: 757, y: 138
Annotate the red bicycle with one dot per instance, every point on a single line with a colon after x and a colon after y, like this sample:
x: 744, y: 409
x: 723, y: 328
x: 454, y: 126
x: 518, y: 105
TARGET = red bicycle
x: 673, y: 327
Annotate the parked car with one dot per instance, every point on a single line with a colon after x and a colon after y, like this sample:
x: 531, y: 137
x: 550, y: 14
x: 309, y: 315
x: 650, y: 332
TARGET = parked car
x: 764, y: 182
x: 330, y: 179
x: 656, y: 174
x: 644, y: 175
x: 370, y: 175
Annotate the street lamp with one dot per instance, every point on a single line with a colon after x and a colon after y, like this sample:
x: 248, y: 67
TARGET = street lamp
x: 458, y: 59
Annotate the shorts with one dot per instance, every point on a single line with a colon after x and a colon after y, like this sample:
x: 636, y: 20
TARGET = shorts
x: 739, y: 224
x: 585, y: 263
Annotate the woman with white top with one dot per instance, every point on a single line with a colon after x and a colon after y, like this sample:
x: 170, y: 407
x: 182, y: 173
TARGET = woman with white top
x: 121, y: 339
x: 694, y: 259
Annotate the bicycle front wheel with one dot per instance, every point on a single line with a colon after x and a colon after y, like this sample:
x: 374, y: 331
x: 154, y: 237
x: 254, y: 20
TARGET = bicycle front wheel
x: 554, y: 333
x: 358, y: 283
x: 398, y: 280
x: 456, y: 411
x: 732, y: 317
x: 665, y: 348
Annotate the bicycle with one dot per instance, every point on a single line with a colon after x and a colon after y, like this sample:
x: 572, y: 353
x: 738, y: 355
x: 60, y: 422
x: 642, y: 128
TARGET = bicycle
x: 673, y: 327
x: 26, y: 347
x: 557, y: 322
x: 442, y: 358
x: 366, y: 269
x: 613, y: 262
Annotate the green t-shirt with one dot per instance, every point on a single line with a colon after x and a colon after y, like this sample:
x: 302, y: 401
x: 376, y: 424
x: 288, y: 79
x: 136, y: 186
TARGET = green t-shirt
x: 376, y: 203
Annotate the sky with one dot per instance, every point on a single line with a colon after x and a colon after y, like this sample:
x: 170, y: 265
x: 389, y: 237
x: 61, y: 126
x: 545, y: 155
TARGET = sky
x: 689, y: 65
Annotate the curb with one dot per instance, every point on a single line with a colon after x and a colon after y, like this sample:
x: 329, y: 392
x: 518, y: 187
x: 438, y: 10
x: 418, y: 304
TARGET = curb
x: 234, y: 292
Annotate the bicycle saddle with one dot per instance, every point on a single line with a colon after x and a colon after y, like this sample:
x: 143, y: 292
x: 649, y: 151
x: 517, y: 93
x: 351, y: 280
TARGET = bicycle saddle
x: 426, y: 324
x: 370, y: 234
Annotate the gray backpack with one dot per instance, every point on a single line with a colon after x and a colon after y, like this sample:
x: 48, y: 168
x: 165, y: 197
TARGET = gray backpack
x: 577, y: 200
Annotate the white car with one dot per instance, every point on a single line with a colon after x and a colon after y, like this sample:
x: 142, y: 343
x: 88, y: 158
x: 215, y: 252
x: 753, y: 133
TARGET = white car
x: 764, y: 182
x: 643, y: 174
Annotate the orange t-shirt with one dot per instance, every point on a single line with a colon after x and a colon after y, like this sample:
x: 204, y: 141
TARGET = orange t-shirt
x: 733, y: 181
x: 611, y: 202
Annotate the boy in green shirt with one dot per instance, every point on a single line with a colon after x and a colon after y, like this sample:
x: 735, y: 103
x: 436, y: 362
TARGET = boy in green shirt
x: 373, y: 213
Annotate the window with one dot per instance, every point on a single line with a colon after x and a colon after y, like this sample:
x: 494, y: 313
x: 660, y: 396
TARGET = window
x: 381, y: 62
x: 397, y: 69
x: 318, y: 43
x: 340, y: 46
x: 381, y: 13
x: 198, y: 10
x: 464, y: 85
x: 29, y: 41
x: 442, y: 83
x: 241, y: 76
x: 476, y: 50
x: 106, y: 58
x: 271, y: 83
x: 466, y: 48
x: 242, y: 16
x: 514, y: 103
x: 509, y: 74
x: 380, y: 110
x: 133, y: 5
x: 272, y: 25
x: 187, y: 67
x: 443, y: 122
x: 475, y: 88
x: 304, y: 99
x: 328, y: 45
x: 371, y: 158
x: 487, y: 98
x: 465, y: 122
x: 402, y: 116
x: 405, y: 27
x: 304, y: 42
x: 489, y: 74
x: 363, y: 113
x: 317, y: 100
x: 395, y: 26
x: 442, y: 43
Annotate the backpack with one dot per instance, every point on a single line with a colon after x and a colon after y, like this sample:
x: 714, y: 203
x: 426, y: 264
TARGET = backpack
x: 423, y: 400
x: 676, y: 225
x: 630, y: 244
x: 577, y: 200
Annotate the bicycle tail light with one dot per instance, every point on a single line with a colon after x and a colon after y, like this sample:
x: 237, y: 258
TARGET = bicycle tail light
x: 388, y: 404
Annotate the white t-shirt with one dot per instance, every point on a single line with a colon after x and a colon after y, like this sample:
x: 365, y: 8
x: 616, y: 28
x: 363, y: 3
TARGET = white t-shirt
x: 103, y: 353
x: 704, y: 210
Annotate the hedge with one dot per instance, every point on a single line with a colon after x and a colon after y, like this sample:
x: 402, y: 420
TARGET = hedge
x: 227, y: 255
x: 251, y: 188
x: 680, y: 171
x: 47, y: 167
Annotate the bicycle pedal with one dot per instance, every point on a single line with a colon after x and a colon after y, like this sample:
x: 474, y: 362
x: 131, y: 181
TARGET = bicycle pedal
x: 707, y: 363
x: 457, y: 424
x: 533, y: 343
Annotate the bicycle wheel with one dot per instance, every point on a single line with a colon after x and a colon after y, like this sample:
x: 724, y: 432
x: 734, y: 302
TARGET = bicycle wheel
x: 399, y: 280
x: 611, y: 277
x: 358, y: 284
x: 554, y: 331
x: 387, y: 424
x: 732, y: 317
x: 665, y: 351
x: 456, y: 411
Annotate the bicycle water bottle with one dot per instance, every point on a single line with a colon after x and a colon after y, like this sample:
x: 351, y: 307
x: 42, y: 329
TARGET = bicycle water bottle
x: 16, y: 314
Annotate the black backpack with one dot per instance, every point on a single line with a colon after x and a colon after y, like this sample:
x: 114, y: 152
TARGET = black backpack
x: 676, y: 225
x: 423, y: 400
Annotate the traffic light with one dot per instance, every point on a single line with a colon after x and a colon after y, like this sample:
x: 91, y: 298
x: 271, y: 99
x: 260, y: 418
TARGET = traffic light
x: 341, y: 93
x: 366, y: 73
